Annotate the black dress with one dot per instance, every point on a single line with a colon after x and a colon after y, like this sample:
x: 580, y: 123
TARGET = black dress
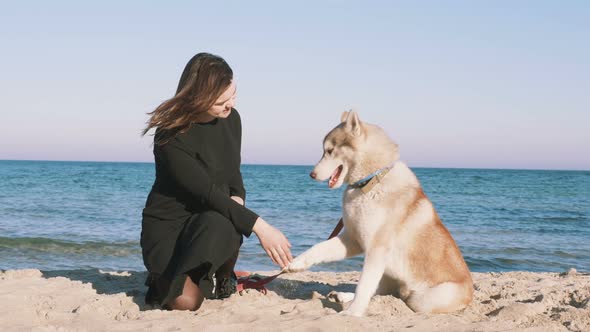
x: 190, y: 223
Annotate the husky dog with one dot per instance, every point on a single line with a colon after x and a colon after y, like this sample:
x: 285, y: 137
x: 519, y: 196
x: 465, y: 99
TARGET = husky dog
x: 408, y: 251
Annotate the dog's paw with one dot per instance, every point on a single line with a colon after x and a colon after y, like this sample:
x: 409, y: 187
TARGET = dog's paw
x: 350, y: 313
x: 354, y: 310
x: 340, y: 297
x: 297, y: 265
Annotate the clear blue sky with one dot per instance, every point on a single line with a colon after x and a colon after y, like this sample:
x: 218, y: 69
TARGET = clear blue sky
x: 494, y: 84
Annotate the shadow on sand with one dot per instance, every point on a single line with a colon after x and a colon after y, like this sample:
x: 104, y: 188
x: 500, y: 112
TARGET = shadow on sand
x: 132, y: 284
x: 302, y: 290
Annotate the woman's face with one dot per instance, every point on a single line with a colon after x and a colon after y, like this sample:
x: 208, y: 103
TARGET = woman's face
x: 225, y: 102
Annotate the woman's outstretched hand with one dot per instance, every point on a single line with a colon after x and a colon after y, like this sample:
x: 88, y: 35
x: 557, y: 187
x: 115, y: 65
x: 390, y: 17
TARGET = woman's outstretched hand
x: 274, y: 242
x: 238, y: 199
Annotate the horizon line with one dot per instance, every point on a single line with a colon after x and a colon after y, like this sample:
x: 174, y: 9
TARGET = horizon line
x: 301, y: 165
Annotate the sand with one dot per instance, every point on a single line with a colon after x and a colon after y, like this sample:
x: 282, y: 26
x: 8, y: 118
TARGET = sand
x: 94, y: 300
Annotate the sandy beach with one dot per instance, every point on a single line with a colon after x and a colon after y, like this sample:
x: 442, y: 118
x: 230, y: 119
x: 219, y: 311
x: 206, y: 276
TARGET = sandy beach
x: 95, y: 300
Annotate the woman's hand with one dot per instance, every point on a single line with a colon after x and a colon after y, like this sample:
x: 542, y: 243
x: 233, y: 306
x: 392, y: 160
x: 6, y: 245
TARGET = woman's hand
x: 273, y: 241
x: 238, y: 199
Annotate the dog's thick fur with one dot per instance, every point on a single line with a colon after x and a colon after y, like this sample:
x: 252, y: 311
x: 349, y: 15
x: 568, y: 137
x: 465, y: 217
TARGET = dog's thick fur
x: 408, y: 251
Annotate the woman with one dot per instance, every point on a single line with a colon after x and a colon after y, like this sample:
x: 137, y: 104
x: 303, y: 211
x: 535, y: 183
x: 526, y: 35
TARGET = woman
x: 195, y: 216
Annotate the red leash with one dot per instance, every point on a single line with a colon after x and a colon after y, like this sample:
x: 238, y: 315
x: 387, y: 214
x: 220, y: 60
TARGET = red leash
x: 246, y: 280
x: 337, y: 229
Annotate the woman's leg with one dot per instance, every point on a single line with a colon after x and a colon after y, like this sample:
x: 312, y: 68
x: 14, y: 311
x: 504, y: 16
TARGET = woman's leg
x: 226, y: 281
x: 191, y: 297
x: 209, y: 242
x: 225, y: 270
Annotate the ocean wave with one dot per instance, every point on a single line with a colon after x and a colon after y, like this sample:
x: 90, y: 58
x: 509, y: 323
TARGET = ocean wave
x: 57, y: 246
x: 481, y: 264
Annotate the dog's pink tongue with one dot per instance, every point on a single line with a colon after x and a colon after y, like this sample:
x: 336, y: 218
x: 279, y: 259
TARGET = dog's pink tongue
x: 334, y: 177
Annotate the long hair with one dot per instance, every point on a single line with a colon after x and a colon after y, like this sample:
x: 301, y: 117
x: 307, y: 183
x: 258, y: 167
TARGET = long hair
x: 204, y: 78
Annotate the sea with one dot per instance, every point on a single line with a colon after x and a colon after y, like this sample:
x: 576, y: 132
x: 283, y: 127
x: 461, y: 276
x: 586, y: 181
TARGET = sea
x: 87, y: 215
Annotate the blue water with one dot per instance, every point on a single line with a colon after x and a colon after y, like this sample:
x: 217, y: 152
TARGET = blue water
x: 78, y: 215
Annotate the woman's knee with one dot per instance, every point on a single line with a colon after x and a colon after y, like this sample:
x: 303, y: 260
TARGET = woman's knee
x: 191, y: 298
x: 185, y: 302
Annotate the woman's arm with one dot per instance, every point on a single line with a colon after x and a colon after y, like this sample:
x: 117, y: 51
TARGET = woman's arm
x: 236, y: 183
x: 191, y: 176
x: 236, y: 186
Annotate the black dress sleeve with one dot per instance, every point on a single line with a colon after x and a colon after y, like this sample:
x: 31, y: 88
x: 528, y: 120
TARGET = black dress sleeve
x: 236, y: 184
x: 191, y: 176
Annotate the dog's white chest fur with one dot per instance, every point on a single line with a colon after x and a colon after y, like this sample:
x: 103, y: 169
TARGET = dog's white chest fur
x: 362, y: 219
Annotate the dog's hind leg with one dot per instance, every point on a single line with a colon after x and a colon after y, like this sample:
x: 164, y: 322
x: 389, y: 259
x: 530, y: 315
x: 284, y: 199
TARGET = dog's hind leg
x: 392, y: 286
x: 442, y: 298
x: 335, y: 249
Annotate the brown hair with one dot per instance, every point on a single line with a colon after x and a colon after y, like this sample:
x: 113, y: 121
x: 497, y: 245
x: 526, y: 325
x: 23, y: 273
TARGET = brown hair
x: 204, y: 79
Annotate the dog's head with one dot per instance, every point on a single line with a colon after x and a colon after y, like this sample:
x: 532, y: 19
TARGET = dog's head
x: 352, y: 150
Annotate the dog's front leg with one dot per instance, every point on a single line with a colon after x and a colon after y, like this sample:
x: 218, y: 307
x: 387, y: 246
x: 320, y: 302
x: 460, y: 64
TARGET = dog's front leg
x: 373, y: 269
x: 335, y: 249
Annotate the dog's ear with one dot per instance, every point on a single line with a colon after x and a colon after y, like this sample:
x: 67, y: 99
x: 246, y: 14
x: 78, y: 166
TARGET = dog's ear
x: 353, y: 123
x: 344, y: 116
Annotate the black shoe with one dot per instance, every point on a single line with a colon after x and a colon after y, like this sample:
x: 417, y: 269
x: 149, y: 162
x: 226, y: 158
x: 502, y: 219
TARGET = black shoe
x: 225, y: 287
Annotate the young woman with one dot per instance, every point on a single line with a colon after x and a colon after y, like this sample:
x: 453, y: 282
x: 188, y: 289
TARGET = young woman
x: 195, y: 216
